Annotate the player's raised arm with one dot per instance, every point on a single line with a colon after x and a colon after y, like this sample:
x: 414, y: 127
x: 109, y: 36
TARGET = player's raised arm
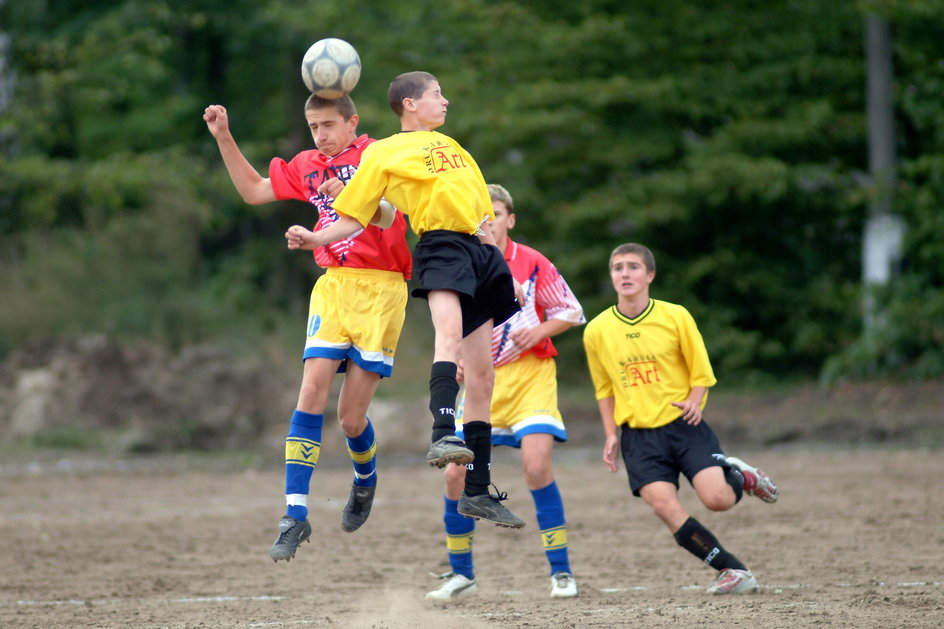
x: 252, y: 187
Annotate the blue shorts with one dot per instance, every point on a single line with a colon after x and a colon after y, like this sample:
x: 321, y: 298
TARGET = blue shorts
x: 661, y: 454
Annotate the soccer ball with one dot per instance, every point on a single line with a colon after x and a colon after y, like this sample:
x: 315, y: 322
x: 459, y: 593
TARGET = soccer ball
x: 331, y: 68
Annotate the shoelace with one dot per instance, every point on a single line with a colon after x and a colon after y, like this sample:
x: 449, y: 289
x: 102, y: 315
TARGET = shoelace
x: 444, y: 576
x: 499, y: 495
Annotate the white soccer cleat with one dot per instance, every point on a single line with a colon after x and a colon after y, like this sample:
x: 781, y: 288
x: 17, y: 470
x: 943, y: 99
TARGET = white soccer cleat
x: 756, y: 482
x: 563, y: 585
x: 733, y: 581
x: 454, y: 586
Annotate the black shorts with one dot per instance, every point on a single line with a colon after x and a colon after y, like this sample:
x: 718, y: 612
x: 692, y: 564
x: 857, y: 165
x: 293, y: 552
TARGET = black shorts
x: 447, y: 260
x: 661, y: 454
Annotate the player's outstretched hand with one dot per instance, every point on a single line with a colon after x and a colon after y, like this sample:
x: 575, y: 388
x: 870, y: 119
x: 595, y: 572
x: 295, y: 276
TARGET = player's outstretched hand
x: 297, y: 237
x: 216, y: 119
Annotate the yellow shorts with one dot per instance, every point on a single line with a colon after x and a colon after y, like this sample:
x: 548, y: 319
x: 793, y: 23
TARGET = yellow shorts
x: 356, y: 314
x: 524, y: 401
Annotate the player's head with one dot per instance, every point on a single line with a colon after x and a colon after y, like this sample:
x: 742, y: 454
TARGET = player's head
x: 333, y: 123
x: 640, y: 250
x: 417, y: 95
x: 504, y: 206
x: 632, y: 269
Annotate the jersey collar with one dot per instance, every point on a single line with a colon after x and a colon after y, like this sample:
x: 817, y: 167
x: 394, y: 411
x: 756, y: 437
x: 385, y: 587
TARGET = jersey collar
x: 638, y: 318
x: 511, y: 249
x: 357, y: 143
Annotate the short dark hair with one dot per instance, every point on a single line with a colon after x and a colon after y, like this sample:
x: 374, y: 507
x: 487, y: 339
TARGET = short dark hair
x: 344, y: 105
x: 407, y: 85
x: 641, y: 250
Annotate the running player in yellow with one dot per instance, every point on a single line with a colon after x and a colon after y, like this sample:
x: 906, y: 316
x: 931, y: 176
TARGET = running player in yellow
x: 356, y: 309
x: 651, y: 373
x: 459, y: 271
x: 524, y: 407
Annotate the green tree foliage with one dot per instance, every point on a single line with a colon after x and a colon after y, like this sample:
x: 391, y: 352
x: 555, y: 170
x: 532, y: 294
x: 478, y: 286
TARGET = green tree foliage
x: 729, y: 137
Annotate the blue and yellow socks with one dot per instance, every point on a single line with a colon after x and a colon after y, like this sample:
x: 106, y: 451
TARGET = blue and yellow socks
x: 302, y: 447
x: 550, y: 515
x: 363, y: 451
x: 459, y: 533
x: 549, y: 508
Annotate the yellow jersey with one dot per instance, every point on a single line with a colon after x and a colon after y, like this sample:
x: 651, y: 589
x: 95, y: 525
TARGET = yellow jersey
x: 427, y: 175
x: 647, y: 362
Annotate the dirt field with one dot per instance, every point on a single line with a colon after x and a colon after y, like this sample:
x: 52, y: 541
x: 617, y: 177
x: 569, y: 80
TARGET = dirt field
x: 857, y: 540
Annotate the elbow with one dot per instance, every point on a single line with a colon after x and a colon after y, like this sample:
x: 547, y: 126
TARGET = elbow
x: 253, y: 197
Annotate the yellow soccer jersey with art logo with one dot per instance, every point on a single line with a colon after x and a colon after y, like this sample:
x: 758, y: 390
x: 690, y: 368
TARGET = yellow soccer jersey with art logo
x: 427, y: 175
x: 647, y: 362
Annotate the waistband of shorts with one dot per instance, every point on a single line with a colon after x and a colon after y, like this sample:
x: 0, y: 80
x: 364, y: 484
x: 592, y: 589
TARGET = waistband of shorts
x: 447, y: 234
x: 346, y: 271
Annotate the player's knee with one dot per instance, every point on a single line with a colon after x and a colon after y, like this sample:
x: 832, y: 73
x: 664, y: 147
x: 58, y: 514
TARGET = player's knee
x: 478, y: 391
x: 721, y: 499
x: 352, y: 425
x: 537, y: 474
x: 312, y: 397
x: 455, y: 479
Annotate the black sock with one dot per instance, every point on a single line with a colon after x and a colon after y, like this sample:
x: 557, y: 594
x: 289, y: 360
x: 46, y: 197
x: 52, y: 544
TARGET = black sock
x: 478, y: 438
x: 443, y: 390
x: 699, y: 541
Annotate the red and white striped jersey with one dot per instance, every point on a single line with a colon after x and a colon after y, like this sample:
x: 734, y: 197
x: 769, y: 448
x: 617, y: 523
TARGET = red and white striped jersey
x: 370, y: 248
x: 547, y: 296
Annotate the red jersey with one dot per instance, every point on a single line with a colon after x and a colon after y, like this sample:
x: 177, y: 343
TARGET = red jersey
x: 369, y: 248
x: 546, y: 295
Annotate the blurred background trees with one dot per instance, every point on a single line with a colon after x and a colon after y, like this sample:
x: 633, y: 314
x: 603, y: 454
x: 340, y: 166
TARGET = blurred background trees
x: 729, y: 137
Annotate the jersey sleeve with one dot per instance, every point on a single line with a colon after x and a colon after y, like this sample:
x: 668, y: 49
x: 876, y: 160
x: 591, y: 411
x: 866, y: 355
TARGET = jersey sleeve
x: 286, y: 180
x: 360, y: 197
x: 694, y: 351
x: 602, y: 383
x: 554, y: 295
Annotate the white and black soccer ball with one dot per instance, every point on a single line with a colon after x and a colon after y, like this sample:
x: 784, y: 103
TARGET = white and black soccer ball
x: 331, y: 68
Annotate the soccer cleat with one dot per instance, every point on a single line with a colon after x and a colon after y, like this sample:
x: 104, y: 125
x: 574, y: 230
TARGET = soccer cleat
x: 489, y: 507
x: 357, y: 508
x: 291, y: 534
x: 454, y: 587
x: 563, y: 585
x: 449, y: 449
x: 733, y: 581
x: 756, y: 482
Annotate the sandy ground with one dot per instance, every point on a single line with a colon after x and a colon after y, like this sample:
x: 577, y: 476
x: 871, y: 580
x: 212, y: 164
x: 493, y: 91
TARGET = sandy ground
x: 857, y: 540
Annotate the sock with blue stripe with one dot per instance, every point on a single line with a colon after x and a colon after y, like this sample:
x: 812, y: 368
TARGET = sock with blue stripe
x: 549, y: 508
x: 363, y: 451
x: 459, y: 533
x: 302, y: 448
